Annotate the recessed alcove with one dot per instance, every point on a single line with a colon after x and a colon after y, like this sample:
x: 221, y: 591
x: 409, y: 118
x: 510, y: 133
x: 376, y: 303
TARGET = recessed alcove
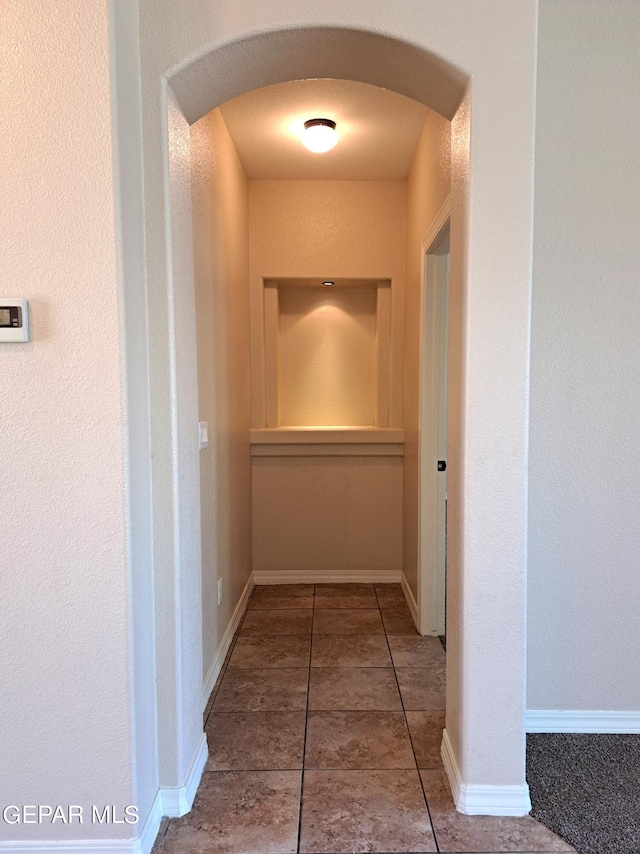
x: 327, y: 352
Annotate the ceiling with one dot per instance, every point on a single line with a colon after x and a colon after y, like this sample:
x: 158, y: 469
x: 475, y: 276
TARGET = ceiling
x: 378, y: 130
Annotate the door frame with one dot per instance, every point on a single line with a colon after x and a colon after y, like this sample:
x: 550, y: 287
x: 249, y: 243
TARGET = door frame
x: 434, y: 59
x: 432, y: 436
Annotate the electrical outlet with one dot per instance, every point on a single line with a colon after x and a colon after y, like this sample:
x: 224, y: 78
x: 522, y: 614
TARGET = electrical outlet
x: 219, y: 591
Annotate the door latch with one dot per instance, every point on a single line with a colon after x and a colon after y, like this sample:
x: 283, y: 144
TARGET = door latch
x: 442, y: 465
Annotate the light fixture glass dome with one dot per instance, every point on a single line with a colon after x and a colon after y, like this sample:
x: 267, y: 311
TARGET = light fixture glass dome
x: 319, y: 135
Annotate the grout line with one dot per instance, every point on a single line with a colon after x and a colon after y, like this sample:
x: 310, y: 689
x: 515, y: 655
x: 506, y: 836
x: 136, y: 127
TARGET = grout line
x: 223, y: 669
x: 406, y: 723
x: 350, y: 769
x: 247, y: 771
x: 158, y: 844
x: 306, y: 721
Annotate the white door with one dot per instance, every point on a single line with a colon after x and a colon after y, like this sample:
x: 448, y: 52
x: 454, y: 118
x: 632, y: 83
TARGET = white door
x: 433, y: 429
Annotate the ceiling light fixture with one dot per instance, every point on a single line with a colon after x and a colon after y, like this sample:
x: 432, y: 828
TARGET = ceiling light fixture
x: 319, y: 135
x: 328, y: 284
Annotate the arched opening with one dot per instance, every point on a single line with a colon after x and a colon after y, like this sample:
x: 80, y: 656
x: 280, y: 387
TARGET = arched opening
x: 488, y: 375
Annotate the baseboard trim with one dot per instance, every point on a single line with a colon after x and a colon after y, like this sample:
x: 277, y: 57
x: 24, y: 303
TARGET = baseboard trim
x: 328, y: 576
x: 143, y: 844
x: 482, y: 800
x: 178, y: 800
x: 540, y: 720
x: 411, y: 602
x: 147, y: 838
x: 74, y: 846
x: 225, y: 643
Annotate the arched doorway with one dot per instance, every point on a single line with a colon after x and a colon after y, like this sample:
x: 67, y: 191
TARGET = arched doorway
x: 488, y: 363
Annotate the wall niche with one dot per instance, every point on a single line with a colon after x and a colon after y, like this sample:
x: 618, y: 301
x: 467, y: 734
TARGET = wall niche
x: 327, y: 353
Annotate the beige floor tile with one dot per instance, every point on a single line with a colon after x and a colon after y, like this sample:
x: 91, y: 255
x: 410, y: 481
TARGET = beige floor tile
x: 389, y: 593
x: 422, y: 688
x: 292, y: 622
x: 271, y: 651
x: 464, y: 833
x: 410, y: 651
x: 347, y: 621
x: 358, y: 811
x: 353, y: 688
x: 425, y: 729
x: 346, y: 600
x: 397, y: 620
x: 344, y: 651
x: 395, y: 607
x: 285, y: 589
x: 263, y: 690
x: 344, y: 589
x: 266, y: 600
x: 358, y: 740
x: 240, y: 812
x: 255, y: 741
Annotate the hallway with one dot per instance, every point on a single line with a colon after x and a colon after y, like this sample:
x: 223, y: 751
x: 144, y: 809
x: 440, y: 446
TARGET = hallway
x: 324, y: 734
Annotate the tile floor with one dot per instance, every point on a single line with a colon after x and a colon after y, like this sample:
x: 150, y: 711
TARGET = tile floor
x: 324, y: 734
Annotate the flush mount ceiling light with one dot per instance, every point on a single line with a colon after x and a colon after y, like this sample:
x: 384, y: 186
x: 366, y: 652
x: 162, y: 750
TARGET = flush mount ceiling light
x: 328, y: 284
x: 319, y: 135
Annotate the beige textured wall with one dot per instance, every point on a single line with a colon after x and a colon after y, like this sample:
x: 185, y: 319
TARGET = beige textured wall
x: 330, y: 513
x: 428, y: 185
x: 327, y: 370
x: 221, y: 235
x: 327, y: 513
x: 66, y: 733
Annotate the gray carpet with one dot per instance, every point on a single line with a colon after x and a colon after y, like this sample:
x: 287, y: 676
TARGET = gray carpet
x: 586, y: 788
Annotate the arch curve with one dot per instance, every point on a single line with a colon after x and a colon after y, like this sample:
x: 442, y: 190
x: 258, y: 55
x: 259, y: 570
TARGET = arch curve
x: 236, y: 67
x: 430, y: 58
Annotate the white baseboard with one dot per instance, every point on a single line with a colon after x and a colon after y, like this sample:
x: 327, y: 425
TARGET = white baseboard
x: 141, y: 845
x: 540, y: 720
x: 482, y: 800
x: 74, y: 846
x: 147, y: 838
x: 411, y: 602
x: 225, y: 643
x: 328, y: 576
x: 178, y: 800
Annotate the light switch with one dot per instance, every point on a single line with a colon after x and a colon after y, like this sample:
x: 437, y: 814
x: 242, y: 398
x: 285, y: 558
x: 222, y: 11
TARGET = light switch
x: 203, y: 434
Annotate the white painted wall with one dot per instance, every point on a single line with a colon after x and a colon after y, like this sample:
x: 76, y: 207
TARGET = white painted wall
x: 176, y: 474
x: 584, y: 595
x: 428, y: 185
x: 221, y: 252
x: 67, y: 727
